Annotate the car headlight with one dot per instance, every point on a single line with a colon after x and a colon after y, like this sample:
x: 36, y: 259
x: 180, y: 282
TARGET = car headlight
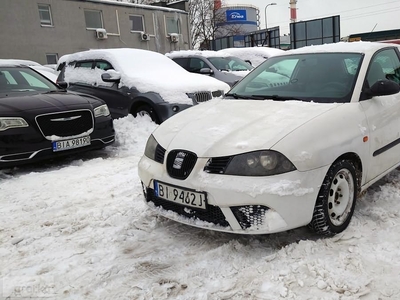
x: 12, y: 122
x: 259, y: 163
x: 150, y: 150
x: 101, y: 111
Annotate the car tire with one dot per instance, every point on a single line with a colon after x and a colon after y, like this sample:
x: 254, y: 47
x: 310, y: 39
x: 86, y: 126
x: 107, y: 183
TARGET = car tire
x: 146, y: 110
x: 336, y: 199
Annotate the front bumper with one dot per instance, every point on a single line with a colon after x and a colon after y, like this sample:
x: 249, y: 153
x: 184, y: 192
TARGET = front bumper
x: 238, y: 204
x: 27, y: 145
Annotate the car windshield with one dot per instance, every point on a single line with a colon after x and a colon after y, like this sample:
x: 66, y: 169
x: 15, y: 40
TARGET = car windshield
x: 317, y: 77
x: 20, y: 79
x: 230, y: 64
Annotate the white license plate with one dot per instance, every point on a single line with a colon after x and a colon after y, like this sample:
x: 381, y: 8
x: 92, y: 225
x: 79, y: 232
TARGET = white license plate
x: 71, y: 143
x: 180, y: 196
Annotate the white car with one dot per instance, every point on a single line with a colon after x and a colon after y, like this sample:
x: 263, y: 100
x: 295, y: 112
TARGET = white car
x: 45, y: 71
x: 268, y: 158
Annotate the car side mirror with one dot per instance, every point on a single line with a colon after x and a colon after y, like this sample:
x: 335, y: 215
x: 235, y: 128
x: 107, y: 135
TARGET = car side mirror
x: 62, y: 84
x: 384, y: 88
x: 206, y: 71
x: 111, y: 76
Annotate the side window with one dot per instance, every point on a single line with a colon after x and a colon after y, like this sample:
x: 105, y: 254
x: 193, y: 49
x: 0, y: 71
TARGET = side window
x: 45, y: 15
x: 93, y: 19
x: 136, y: 22
x: 183, y: 62
x: 196, y: 64
x: 172, y: 25
x: 84, y: 64
x: 103, y: 65
x: 384, y: 65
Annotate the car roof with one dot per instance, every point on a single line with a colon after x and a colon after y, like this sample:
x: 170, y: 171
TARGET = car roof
x: 18, y: 62
x: 356, y: 47
x: 196, y: 53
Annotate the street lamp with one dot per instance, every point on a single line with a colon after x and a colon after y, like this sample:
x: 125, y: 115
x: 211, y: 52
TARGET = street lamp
x: 266, y: 26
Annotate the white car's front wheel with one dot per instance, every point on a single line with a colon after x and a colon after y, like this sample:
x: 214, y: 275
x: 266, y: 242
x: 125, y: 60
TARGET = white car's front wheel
x: 336, y: 199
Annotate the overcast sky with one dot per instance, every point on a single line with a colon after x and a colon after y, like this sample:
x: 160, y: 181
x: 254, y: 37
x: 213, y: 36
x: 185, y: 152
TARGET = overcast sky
x: 356, y: 16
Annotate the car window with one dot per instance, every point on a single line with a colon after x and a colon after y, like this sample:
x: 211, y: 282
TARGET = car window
x: 23, y: 79
x: 230, y: 64
x: 84, y: 64
x: 318, y: 77
x: 384, y: 65
x: 103, y: 65
x: 183, y: 62
x: 196, y: 64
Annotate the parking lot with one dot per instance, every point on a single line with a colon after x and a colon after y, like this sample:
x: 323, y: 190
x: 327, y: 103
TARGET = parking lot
x: 78, y: 228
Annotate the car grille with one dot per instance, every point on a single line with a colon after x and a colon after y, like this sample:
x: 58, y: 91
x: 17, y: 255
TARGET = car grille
x: 212, y: 214
x: 250, y: 215
x: 180, y: 163
x: 202, y: 97
x: 160, y: 154
x: 217, y: 165
x: 65, y: 124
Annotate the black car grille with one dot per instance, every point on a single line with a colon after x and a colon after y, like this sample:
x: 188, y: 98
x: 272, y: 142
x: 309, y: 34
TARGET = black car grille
x: 65, y: 124
x: 212, y: 214
x: 160, y: 154
x: 180, y: 163
x: 217, y: 165
x: 202, y: 97
x: 250, y: 215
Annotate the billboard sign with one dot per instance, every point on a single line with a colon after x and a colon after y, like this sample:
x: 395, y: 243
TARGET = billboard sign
x: 236, y: 15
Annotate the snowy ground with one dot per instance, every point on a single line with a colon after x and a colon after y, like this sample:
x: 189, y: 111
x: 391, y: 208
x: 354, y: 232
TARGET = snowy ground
x: 78, y: 228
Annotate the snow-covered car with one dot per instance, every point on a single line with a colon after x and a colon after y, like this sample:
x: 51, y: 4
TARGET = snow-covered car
x: 254, y: 55
x: 44, y: 70
x: 222, y: 66
x: 137, y: 82
x: 40, y: 121
x: 268, y: 158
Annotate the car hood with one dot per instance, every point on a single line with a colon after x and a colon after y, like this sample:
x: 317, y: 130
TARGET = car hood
x: 32, y: 101
x: 224, y: 127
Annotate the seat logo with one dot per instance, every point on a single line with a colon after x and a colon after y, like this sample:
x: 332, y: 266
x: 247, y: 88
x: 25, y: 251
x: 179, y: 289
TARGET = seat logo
x: 65, y: 119
x: 180, y: 156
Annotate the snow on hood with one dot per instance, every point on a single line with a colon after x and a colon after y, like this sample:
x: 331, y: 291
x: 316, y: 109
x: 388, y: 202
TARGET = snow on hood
x: 147, y: 71
x: 225, y: 127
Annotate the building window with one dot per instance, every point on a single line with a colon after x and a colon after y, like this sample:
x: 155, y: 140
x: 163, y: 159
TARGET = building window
x: 45, y: 15
x: 137, y: 23
x: 52, y: 58
x: 93, y: 19
x: 172, y: 25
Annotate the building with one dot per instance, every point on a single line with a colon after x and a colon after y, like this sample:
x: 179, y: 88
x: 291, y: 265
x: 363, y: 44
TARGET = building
x: 44, y: 30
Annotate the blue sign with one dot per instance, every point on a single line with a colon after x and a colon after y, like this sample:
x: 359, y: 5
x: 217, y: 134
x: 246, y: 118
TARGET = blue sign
x: 236, y: 15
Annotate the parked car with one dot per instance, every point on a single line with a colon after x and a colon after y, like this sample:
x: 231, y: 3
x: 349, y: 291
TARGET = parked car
x: 221, y: 66
x: 40, y: 121
x: 137, y: 82
x: 268, y: 158
x: 44, y: 70
x: 253, y: 55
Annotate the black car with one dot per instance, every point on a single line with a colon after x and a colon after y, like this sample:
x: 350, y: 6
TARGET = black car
x: 39, y: 120
x: 137, y: 82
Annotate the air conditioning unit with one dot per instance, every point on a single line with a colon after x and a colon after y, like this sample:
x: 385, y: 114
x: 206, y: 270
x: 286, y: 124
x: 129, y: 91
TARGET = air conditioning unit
x: 101, y: 34
x: 174, y: 37
x: 145, y: 36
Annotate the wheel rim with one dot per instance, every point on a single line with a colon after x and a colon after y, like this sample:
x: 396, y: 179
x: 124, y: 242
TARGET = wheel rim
x: 341, y: 197
x: 143, y: 113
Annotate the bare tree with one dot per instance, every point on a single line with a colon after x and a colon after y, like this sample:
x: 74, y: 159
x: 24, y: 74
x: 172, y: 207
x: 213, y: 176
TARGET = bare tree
x: 208, y: 21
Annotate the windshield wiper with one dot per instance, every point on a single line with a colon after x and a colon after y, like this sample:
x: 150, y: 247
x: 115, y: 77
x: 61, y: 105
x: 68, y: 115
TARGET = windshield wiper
x: 278, y: 98
x: 253, y: 97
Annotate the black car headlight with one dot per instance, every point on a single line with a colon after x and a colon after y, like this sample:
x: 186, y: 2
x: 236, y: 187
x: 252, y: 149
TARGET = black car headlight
x: 259, y: 163
x: 151, y: 145
x: 12, y: 122
x: 102, y: 110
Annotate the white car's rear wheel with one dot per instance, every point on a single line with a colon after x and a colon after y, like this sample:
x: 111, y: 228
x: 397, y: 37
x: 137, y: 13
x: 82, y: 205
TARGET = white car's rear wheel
x: 336, y: 199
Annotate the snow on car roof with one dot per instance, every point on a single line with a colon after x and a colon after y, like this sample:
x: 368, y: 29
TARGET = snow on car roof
x: 18, y: 62
x: 148, y: 71
x: 256, y: 55
x: 204, y: 53
x: 358, y: 47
